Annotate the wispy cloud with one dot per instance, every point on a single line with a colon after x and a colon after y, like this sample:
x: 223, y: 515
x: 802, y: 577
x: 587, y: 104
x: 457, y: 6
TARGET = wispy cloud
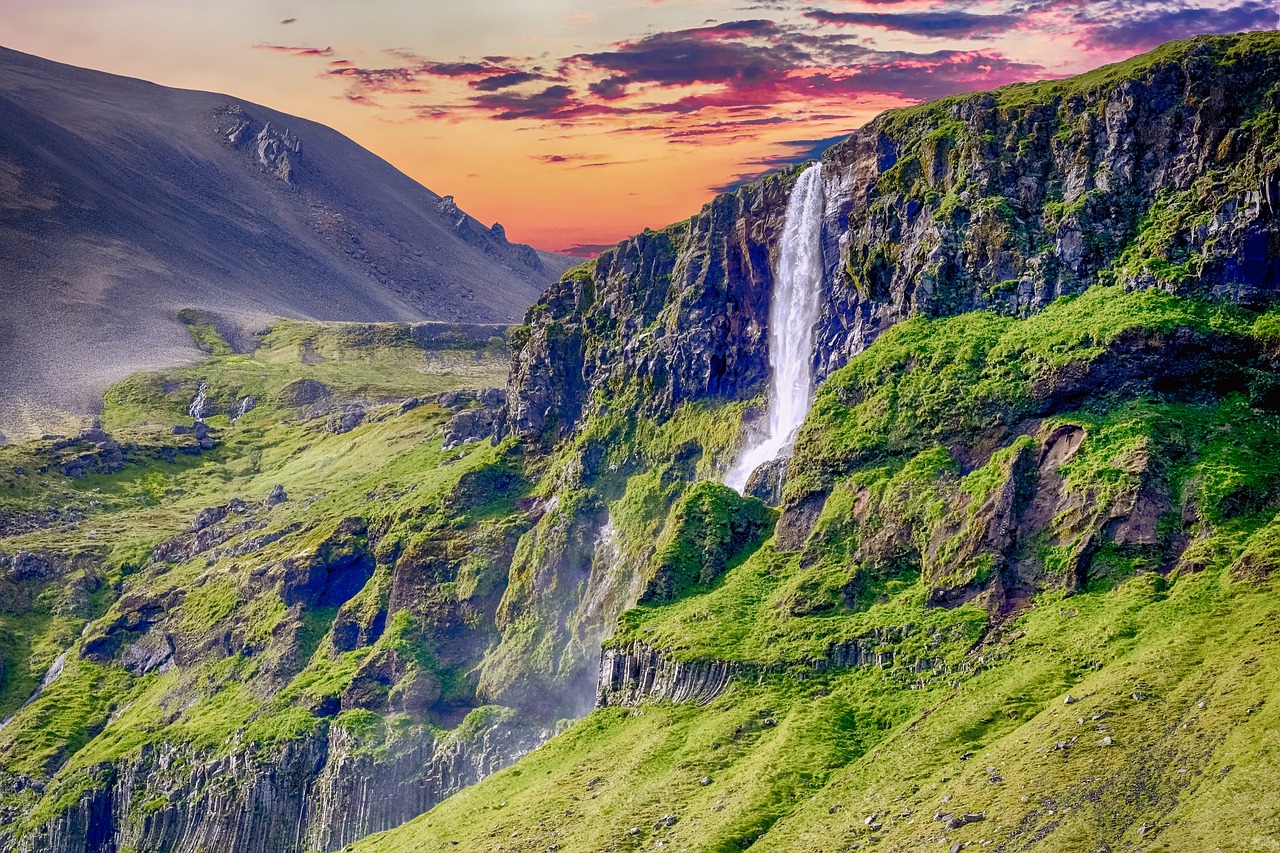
x: 1132, y: 25
x: 294, y: 50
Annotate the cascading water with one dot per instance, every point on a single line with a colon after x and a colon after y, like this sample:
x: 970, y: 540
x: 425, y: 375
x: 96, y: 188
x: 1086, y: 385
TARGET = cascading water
x: 797, y: 294
x: 200, y: 403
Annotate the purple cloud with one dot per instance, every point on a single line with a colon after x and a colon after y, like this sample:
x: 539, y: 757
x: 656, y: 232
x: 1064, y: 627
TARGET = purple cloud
x: 950, y: 24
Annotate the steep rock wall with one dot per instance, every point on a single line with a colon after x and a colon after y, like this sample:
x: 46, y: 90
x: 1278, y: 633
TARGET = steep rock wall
x: 316, y: 793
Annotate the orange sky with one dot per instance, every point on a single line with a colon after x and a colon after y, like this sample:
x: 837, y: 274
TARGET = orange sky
x: 579, y: 123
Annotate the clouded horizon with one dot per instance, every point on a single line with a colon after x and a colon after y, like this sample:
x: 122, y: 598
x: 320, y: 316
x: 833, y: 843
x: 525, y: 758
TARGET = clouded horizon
x: 576, y: 124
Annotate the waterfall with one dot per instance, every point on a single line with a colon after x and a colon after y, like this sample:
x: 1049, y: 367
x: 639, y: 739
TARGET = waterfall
x: 198, y: 405
x: 794, y: 310
x: 50, y: 675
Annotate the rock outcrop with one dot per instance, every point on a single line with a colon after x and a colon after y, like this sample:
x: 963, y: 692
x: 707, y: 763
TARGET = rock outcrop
x: 635, y: 672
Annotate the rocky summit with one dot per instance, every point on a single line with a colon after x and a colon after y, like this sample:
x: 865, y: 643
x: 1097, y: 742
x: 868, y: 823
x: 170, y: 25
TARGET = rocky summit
x: 1012, y: 584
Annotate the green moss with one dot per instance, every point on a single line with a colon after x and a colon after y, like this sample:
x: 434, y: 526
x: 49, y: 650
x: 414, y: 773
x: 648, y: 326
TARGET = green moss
x: 710, y: 529
x: 204, y: 333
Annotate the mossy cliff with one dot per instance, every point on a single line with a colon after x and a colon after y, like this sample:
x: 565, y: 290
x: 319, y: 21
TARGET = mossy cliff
x: 1162, y: 171
x: 253, y: 631
x: 1022, y: 594
x: 1020, y: 588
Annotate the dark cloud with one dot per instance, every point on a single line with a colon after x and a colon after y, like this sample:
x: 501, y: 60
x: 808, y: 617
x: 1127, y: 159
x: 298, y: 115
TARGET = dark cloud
x: 556, y: 101
x: 289, y: 21
x: 742, y: 68
x: 553, y: 159
x: 413, y: 77
x: 723, y: 53
x: 1132, y: 27
x: 504, y: 81
x: 951, y: 24
x: 610, y: 88
x: 370, y: 80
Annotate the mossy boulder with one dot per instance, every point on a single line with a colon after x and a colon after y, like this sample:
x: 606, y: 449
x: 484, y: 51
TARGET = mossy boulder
x: 710, y: 529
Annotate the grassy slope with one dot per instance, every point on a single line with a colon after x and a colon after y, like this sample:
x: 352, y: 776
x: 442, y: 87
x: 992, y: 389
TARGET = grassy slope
x: 393, y: 463
x: 798, y: 760
x: 856, y: 744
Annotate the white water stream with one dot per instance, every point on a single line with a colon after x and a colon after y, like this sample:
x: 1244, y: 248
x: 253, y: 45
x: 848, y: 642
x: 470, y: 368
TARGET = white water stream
x: 196, y: 409
x: 797, y: 292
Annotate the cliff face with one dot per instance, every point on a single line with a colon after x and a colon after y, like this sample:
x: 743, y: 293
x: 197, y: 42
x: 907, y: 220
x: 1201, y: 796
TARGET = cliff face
x: 1158, y: 172
x: 318, y: 793
x: 664, y: 317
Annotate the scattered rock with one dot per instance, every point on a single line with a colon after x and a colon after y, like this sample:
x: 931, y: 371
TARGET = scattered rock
x: 29, y: 566
x: 345, y: 419
x: 1070, y: 700
x: 207, y: 517
x: 468, y: 426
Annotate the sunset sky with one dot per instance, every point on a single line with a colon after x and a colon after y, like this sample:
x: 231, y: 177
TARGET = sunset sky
x: 578, y: 123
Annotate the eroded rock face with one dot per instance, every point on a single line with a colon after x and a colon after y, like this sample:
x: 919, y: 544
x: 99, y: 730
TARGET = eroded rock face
x: 680, y: 313
x: 277, y: 151
x: 635, y: 672
x: 320, y: 792
x: 476, y: 422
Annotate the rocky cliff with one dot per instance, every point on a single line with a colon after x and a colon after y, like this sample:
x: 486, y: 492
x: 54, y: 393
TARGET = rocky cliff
x: 1150, y: 175
x: 318, y: 793
x: 1158, y: 172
